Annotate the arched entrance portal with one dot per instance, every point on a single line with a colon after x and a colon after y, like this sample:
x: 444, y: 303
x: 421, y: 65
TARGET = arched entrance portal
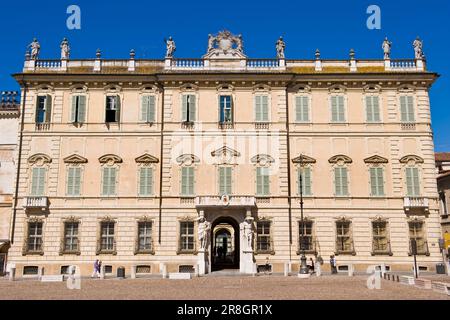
x: 225, y: 244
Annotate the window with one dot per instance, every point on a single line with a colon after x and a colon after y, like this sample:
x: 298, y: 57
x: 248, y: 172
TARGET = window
x: 30, y: 270
x: 145, y: 181
x: 188, y: 113
x: 78, y: 112
x: 344, y: 242
x: 112, y: 109
x: 43, y: 109
x: 144, y: 236
x: 417, y: 233
x: 305, y: 174
x: 34, y: 237
x: 263, y: 239
x: 226, y: 109
x: 407, y: 108
x: 341, y: 181
x: 377, y: 182
x: 109, y: 181
x: 412, y: 182
x: 148, y: 109
x: 73, y: 181
x: 187, y: 236
x: 337, y: 109
x: 373, y: 109
x: 302, y: 109
x: 262, y: 181
x: 262, y: 108
x: 71, y: 237
x: 107, y: 242
x: 187, y: 181
x: 38, y: 181
x: 308, y: 240
x: 225, y: 174
x: 380, y: 237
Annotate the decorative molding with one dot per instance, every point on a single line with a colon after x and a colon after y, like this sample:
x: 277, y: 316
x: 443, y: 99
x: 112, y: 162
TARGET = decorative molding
x: 147, y: 158
x: 79, y: 88
x: 108, y: 158
x: 411, y: 157
x: 189, y: 87
x: 225, y: 151
x: 303, y: 159
x: 340, y: 158
x: 187, y: 159
x: 406, y: 88
x: 372, y: 88
x: 39, y: 159
x: 261, y: 88
x: 112, y: 88
x: 337, y: 88
x: 262, y: 159
x: 75, y: 158
x: 301, y: 88
x: 376, y: 160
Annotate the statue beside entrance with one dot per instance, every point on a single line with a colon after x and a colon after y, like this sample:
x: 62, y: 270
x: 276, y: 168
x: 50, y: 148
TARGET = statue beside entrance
x: 204, y: 230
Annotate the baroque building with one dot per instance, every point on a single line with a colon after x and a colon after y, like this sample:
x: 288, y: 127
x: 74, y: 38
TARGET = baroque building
x: 9, y: 126
x: 185, y: 165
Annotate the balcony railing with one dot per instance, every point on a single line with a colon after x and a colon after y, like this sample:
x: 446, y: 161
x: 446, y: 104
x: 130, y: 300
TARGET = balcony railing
x: 405, y: 64
x: 262, y: 126
x: 188, y: 63
x: 416, y: 204
x: 44, y: 126
x: 226, y: 125
x: 408, y: 126
x: 48, y: 64
x: 36, y: 203
x: 263, y: 63
x: 222, y: 201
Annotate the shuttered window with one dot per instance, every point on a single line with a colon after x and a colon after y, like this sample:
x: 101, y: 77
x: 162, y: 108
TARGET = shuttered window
x: 407, y: 108
x: 112, y: 109
x: 187, y: 181
x: 78, y: 111
x: 412, y: 182
x: 225, y: 176
x: 377, y: 182
x: 38, y: 181
x: 73, y: 181
x: 226, y: 109
x: 305, y: 173
x: 148, y: 109
x: 262, y: 181
x: 145, y: 181
x: 341, y: 181
x: 262, y: 108
x: 302, y: 109
x: 43, y: 109
x: 373, y: 109
x: 189, y: 108
x: 337, y: 109
x: 109, y: 181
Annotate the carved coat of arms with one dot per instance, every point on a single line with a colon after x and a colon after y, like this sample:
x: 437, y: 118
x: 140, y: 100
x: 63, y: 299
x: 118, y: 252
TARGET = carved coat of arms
x: 225, y: 41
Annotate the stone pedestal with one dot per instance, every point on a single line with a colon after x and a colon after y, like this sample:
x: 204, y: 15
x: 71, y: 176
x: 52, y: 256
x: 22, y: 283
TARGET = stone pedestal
x: 203, y: 262
x: 247, y: 263
x: 318, y: 269
x: 163, y: 269
x: 286, y: 269
x: 351, y: 270
x: 133, y: 272
x: 102, y: 272
x: 12, y: 273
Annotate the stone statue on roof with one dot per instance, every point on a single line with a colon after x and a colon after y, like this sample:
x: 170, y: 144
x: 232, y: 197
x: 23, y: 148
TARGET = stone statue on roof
x: 35, y: 49
x: 170, y: 47
x: 280, y: 46
x: 387, y: 45
x: 418, y: 48
x: 65, y: 49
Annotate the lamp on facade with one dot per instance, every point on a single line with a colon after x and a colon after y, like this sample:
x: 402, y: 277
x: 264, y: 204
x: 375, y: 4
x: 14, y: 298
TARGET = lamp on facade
x: 304, y: 271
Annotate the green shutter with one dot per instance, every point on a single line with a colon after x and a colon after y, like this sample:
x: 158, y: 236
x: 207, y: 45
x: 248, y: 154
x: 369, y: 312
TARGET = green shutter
x: 341, y: 181
x: 184, y: 108
x: 376, y: 109
x: 38, y: 181
x: 73, y: 112
x: 410, y: 108
x: 380, y: 182
x: 146, y: 182
x: 369, y: 109
x: 412, y: 182
x: 106, y: 175
x: 192, y: 108
x: 373, y: 181
x: 117, y: 102
x: 70, y: 179
x: 48, y: 108
x: 341, y: 109
x: 225, y: 180
x: 334, y: 107
x: 416, y: 182
x: 409, y: 182
x: 307, y: 181
x: 112, y: 181
x: 264, y: 108
x: 82, y: 109
x: 305, y: 107
x: 151, y: 115
x: 403, y: 109
x: 259, y: 181
x: 144, y: 108
x: 258, y: 108
x: 187, y: 181
x: 77, y: 182
x: 344, y: 181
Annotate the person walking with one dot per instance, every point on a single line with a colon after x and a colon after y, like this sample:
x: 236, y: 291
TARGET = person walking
x: 96, y: 273
x: 333, y: 265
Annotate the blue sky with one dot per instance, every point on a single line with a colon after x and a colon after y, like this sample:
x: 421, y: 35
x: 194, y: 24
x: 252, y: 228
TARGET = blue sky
x: 333, y: 26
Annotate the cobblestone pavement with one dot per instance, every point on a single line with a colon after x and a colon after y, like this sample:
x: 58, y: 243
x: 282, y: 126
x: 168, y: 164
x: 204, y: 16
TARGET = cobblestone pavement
x: 218, y: 288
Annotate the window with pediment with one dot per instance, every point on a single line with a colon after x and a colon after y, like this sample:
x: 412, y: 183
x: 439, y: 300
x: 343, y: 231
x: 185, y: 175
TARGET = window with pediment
x: 39, y: 165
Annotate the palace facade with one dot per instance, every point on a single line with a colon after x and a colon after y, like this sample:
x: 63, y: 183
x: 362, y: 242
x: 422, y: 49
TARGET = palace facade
x: 124, y: 160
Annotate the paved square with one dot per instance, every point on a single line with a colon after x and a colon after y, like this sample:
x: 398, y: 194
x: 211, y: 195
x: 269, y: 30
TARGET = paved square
x: 220, y: 288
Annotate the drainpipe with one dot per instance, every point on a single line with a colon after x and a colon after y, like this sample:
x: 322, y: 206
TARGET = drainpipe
x: 288, y: 147
x: 19, y: 160
x: 161, y: 165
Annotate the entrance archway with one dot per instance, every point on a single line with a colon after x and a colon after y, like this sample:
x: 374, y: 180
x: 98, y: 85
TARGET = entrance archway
x: 225, y: 250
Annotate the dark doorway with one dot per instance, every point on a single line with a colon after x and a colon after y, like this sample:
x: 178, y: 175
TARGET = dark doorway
x: 225, y: 244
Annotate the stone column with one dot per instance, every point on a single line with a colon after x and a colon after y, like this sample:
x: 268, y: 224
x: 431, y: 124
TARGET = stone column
x: 420, y: 65
x: 168, y: 63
